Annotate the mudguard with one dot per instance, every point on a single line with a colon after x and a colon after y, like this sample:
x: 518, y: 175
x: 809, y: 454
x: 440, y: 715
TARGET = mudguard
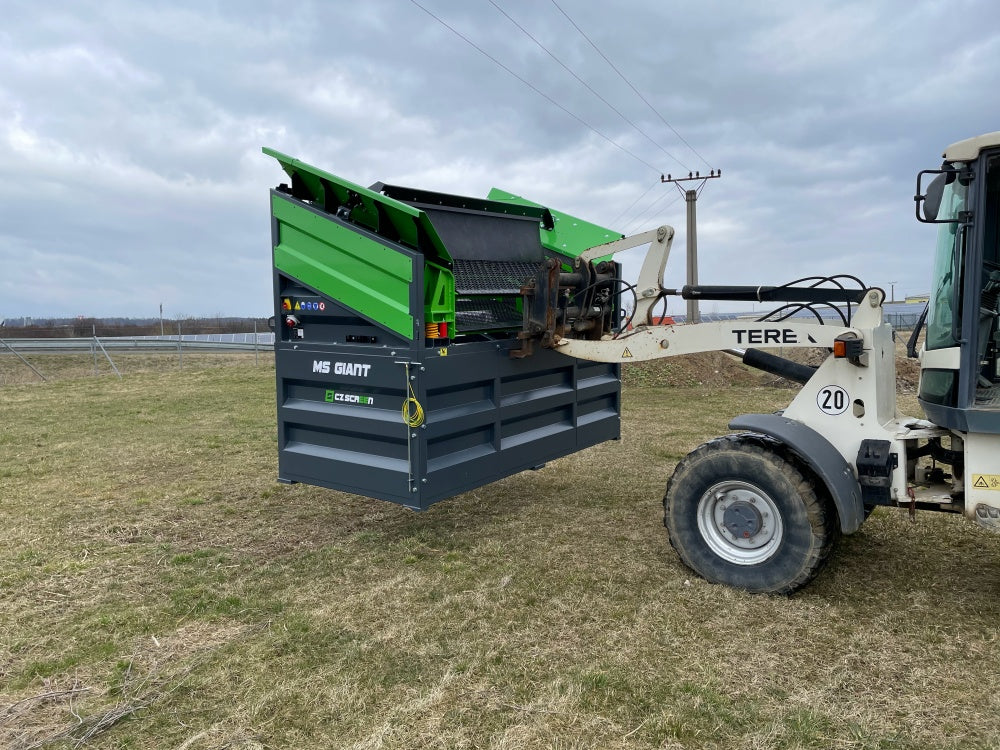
x: 819, y: 454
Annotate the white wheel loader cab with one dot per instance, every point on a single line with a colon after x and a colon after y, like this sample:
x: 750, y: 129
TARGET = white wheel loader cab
x: 960, y: 367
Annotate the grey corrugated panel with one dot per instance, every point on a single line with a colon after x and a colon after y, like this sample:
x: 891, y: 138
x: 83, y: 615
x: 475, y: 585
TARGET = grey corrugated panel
x: 487, y: 416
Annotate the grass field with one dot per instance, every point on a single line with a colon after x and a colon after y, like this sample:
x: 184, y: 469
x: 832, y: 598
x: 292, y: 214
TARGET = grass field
x: 158, y: 588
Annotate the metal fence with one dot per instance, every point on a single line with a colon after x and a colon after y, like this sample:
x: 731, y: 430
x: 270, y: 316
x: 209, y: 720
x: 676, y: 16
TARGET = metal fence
x: 102, y: 348
x: 206, y: 342
x: 252, y: 339
x: 902, y: 321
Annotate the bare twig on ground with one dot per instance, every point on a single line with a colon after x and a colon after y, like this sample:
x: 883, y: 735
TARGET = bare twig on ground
x: 9, y: 712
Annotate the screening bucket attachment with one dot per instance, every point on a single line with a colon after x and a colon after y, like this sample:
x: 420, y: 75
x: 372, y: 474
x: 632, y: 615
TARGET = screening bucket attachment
x: 397, y: 312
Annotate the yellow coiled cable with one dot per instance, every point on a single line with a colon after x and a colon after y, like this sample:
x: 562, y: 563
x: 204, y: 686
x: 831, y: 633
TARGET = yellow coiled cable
x: 413, y: 412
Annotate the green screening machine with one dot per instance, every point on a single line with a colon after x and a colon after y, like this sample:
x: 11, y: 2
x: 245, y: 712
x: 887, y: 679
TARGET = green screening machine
x: 403, y: 338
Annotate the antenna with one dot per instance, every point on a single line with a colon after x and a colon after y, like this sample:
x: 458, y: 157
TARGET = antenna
x: 691, y: 197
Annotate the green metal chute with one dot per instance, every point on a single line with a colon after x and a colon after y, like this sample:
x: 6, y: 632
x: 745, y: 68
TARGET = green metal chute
x: 385, y: 216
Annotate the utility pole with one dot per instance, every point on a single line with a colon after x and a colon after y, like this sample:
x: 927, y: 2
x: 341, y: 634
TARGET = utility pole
x: 691, y: 198
x: 161, y: 319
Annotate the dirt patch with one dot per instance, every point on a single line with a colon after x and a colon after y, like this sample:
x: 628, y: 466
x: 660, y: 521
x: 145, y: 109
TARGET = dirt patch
x: 716, y: 369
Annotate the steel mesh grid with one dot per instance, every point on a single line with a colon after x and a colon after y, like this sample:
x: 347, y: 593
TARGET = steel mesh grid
x: 492, y: 276
x: 483, y: 313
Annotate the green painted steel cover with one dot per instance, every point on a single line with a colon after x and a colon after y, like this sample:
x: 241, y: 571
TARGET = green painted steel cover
x: 344, y: 265
x: 379, y: 213
x: 569, y: 235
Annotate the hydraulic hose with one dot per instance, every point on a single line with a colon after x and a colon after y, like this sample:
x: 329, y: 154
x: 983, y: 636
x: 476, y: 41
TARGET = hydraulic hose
x: 775, y: 365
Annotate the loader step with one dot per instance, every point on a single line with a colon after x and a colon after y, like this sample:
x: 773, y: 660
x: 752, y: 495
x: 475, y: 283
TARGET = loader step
x: 988, y: 398
x: 988, y: 517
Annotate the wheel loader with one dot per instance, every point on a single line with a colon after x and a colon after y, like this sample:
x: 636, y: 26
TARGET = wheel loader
x: 428, y: 343
x: 761, y: 509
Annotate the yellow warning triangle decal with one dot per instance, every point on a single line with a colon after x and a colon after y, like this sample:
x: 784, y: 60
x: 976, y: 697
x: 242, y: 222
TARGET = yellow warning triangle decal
x: 626, y: 354
x: 298, y: 306
x: 981, y: 483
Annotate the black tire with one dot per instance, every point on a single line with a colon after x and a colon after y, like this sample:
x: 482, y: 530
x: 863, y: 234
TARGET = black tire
x: 739, y: 510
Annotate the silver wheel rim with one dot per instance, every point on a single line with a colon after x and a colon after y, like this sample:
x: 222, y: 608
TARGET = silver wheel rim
x: 740, y: 523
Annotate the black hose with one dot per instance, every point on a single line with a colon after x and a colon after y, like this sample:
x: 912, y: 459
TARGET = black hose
x: 779, y: 366
x: 911, y: 343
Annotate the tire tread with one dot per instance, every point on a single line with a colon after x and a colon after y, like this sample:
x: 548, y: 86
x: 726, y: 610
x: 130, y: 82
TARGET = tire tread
x: 737, y: 450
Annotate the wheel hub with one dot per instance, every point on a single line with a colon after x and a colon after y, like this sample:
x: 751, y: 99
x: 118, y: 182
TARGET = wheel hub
x: 740, y: 522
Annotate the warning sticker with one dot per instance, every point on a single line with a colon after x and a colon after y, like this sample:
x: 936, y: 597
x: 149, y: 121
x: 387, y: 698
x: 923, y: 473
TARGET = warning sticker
x: 626, y: 354
x: 986, y: 481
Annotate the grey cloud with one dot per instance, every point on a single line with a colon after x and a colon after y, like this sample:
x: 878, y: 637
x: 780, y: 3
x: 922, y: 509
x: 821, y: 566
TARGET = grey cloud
x: 130, y: 132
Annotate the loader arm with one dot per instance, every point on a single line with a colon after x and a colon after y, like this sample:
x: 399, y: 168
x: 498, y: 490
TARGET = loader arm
x: 656, y: 341
x: 556, y: 309
x: 649, y: 286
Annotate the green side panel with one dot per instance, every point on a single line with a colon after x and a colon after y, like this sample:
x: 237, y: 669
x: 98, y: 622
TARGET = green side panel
x: 569, y: 235
x: 390, y: 218
x: 346, y: 266
x: 439, y: 295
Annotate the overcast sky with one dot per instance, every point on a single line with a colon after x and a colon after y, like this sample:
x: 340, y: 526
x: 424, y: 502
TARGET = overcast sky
x: 130, y: 132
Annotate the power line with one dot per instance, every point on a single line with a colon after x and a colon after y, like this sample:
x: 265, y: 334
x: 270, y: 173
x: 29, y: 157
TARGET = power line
x: 630, y: 205
x: 643, y: 215
x: 629, y: 84
x: 534, y: 88
x: 589, y: 88
x: 639, y: 217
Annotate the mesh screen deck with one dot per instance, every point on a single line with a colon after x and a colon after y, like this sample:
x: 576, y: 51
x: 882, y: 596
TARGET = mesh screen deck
x: 486, y: 314
x: 491, y: 276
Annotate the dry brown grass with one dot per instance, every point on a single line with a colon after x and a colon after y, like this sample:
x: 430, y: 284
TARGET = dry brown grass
x: 60, y: 367
x: 158, y: 588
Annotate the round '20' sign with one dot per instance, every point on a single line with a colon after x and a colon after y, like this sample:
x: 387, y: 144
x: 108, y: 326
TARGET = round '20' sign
x: 832, y: 399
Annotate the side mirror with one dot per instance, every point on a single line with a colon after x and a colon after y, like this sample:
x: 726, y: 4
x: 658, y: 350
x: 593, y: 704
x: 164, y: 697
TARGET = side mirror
x: 930, y: 201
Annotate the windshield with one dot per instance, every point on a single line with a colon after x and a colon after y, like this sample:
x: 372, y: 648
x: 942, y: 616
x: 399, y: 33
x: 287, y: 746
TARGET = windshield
x: 943, y: 322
